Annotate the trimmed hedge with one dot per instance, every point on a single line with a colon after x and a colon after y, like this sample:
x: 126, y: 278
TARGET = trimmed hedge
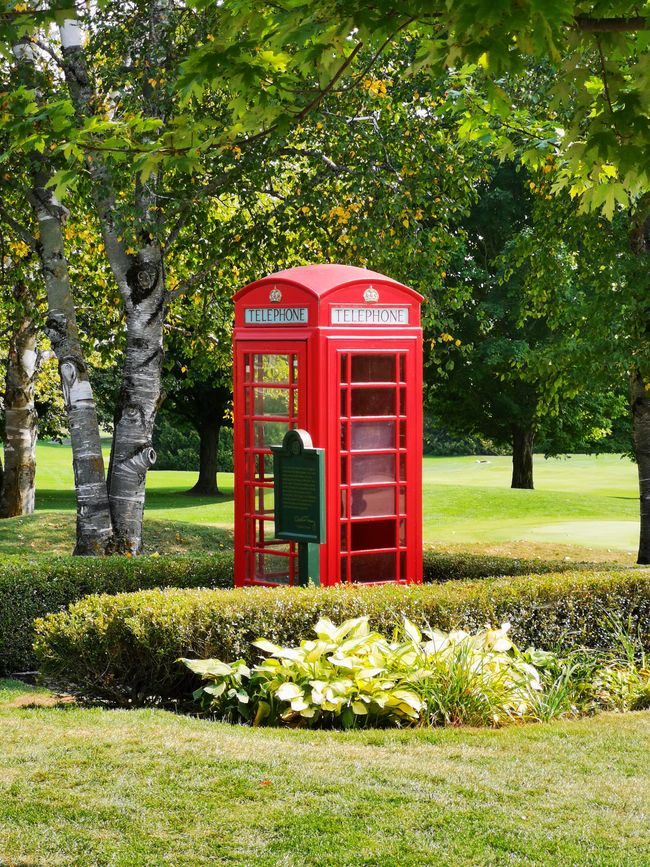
x: 125, y: 647
x: 33, y: 588
x: 442, y: 566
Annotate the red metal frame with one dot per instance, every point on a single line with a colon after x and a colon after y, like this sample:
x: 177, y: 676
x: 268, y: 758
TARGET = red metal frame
x: 359, y: 394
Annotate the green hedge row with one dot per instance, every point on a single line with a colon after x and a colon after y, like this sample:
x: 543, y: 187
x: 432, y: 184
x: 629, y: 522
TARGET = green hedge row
x: 442, y: 566
x: 32, y: 588
x: 125, y: 647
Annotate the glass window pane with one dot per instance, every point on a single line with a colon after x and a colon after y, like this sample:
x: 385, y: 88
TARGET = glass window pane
x: 373, y: 368
x: 402, y: 468
x: 402, y: 368
x: 402, y: 401
x: 263, y: 501
x: 271, y: 368
x: 402, y: 532
x: 344, y: 402
x: 373, y: 468
x: 270, y: 433
x: 402, y: 434
x: 367, y: 435
x: 367, y: 535
x: 344, y: 500
x: 402, y: 501
x: 344, y: 470
x: 373, y: 567
x: 344, y: 435
x: 271, y: 401
x: 344, y: 368
x: 373, y: 401
x: 371, y: 502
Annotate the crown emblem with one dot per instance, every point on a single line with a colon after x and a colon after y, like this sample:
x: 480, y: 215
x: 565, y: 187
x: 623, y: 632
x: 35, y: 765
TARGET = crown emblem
x: 371, y: 295
x: 275, y: 295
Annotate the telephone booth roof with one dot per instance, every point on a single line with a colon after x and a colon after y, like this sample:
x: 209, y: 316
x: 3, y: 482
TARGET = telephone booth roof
x: 321, y: 279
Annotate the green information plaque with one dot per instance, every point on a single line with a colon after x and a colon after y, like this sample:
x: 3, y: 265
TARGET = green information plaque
x: 298, y: 477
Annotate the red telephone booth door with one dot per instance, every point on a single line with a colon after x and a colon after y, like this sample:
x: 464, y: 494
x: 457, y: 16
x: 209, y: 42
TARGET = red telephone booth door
x: 269, y: 400
x: 378, y: 478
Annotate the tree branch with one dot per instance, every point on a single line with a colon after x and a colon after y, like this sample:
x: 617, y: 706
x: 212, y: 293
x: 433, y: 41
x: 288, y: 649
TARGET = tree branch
x: 612, y: 25
x: 331, y: 83
x: 208, y: 189
x: 299, y: 152
x: 20, y: 230
x: 48, y: 50
x: 379, y: 51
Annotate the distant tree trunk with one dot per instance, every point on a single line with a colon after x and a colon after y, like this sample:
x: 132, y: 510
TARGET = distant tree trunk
x: 206, y: 485
x: 18, y: 488
x: 522, y: 457
x: 640, y: 405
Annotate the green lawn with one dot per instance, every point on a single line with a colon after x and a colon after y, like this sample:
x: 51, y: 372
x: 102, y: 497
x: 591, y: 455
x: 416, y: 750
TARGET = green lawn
x: 584, y: 506
x: 97, y: 787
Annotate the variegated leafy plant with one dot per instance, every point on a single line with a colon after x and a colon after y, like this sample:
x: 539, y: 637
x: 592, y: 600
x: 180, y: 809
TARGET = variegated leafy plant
x: 349, y: 674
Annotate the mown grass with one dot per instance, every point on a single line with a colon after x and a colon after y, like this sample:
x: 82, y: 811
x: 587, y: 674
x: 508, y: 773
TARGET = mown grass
x: 585, y: 507
x: 96, y: 787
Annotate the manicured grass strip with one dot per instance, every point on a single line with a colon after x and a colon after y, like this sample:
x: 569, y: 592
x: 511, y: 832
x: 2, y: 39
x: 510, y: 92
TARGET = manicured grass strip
x: 80, y: 787
x: 126, y: 647
x: 584, y: 501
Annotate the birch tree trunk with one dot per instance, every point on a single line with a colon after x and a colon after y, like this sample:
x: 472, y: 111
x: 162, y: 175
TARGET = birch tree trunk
x: 18, y: 484
x: 522, y: 457
x: 141, y: 280
x: 132, y: 454
x: 94, y: 527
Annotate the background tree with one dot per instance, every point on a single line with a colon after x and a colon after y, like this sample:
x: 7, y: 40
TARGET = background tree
x: 504, y: 373
x: 21, y: 318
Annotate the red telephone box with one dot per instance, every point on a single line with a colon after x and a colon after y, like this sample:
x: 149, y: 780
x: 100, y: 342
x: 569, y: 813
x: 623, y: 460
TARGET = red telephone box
x: 337, y: 351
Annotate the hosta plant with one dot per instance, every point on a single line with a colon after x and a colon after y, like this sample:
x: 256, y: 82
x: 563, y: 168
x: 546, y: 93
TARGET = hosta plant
x: 351, y: 675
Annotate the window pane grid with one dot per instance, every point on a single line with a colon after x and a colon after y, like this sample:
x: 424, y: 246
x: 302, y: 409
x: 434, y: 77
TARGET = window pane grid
x: 271, y: 408
x: 372, y: 466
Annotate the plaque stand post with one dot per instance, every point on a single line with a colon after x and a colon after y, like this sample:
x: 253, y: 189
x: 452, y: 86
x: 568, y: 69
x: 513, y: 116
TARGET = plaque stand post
x: 299, y: 506
x: 308, y: 564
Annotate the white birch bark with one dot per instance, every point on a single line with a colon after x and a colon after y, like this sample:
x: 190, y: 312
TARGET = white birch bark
x: 94, y: 528
x: 141, y: 280
x: 18, y: 483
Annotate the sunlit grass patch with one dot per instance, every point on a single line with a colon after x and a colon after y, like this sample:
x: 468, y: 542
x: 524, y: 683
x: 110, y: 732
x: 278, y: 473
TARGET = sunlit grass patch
x: 89, y: 786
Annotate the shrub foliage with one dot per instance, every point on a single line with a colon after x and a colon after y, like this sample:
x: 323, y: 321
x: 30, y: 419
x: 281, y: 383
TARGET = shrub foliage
x: 33, y: 588
x: 126, y: 647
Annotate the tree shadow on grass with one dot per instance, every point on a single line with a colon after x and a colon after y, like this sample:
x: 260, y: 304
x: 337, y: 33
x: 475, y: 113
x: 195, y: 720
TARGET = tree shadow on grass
x: 158, y: 498
x: 49, y: 533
